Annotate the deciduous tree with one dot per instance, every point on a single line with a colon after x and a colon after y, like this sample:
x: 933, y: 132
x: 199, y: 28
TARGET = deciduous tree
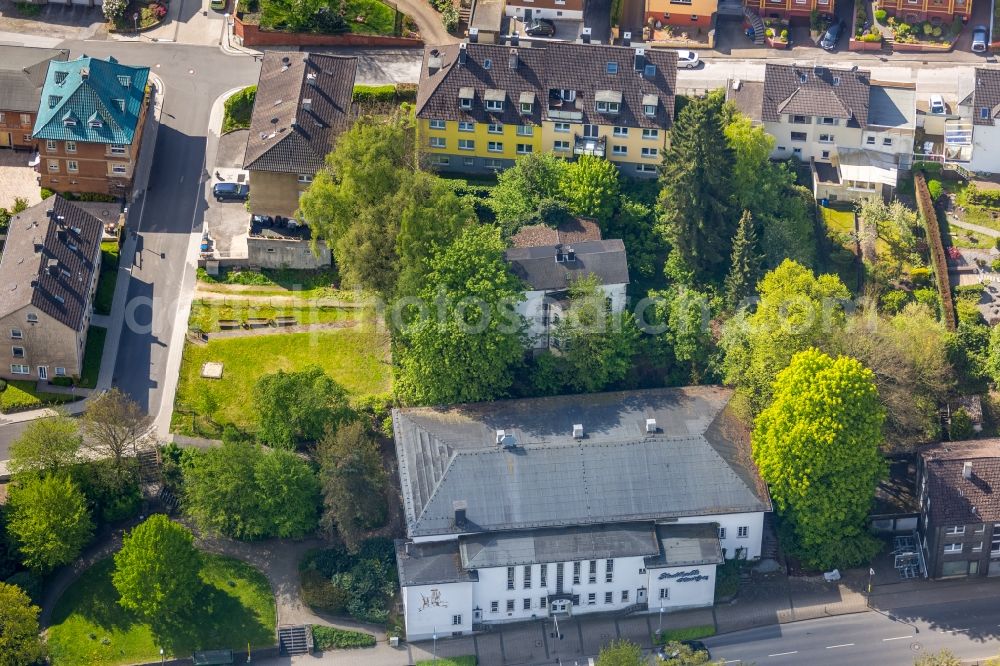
x: 522, y: 188
x: 49, y: 521
x: 157, y: 570
x: 590, y: 186
x: 114, y: 427
x: 294, y: 407
x: 620, y: 653
x: 20, y: 643
x: 942, y: 658
x: 46, y: 446
x: 817, y: 448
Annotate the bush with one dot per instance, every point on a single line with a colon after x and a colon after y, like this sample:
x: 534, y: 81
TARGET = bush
x: 977, y: 197
x: 880, y: 15
x: 114, y: 10
x: 970, y: 292
x: 372, y: 94
x: 46, y: 193
x: 685, y: 634
x: 326, y: 638
x: 61, y: 381
x: 928, y: 29
x: 961, y: 425
x: 362, y: 583
x: 3, y: 385
x: 935, y: 188
x: 239, y: 108
x: 784, y: 35
x: 449, y: 18
x: 894, y: 301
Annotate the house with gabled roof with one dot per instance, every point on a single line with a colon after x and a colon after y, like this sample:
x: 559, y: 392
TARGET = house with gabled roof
x: 567, y: 505
x: 48, y: 277
x: 22, y: 75
x: 90, y: 124
x: 982, y: 104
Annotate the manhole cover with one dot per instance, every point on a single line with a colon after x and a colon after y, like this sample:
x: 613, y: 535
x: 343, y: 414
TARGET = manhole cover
x: 916, y: 647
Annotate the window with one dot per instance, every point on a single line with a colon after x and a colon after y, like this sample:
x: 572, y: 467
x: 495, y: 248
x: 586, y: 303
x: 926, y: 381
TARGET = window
x: 494, y: 606
x: 560, y: 145
x: 456, y: 620
x: 510, y: 605
x: 437, y: 124
x: 797, y: 152
x: 561, y: 127
x: 953, y: 547
x: 18, y: 369
x: 619, y: 150
x: 72, y: 166
x: 3, y: 118
x: 71, y: 146
x: 16, y: 334
x: 305, y: 178
x: 612, y: 68
x: 978, y: 547
x: 649, y: 152
x: 523, y: 148
x: 827, y: 121
x: 664, y: 593
x: 800, y: 120
x: 980, y: 529
x: 649, y: 109
x: 60, y: 372
x: 118, y: 150
x: 722, y: 532
x: 32, y: 317
x: 995, y: 542
x: 543, y: 575
x: 645, y: 168
x: 438, y: 160
x: 742, y: 532
x: 542, y: 601
x: 53, y: 165
x: 510, y: 578
x: 826, y: 138
x: 25, y: 137
x: 466, y: 126
x: 576, y: 573
x: 487, y: 63
x: 125, y: 80
x: 886, y: 141
x: 438, y: 142
x: 959, y: 568
x: 608, y: 107
x: 525, y: 108
x: 119, y: 169
x: 609, y: 571
x: 870, y: 140
x: 468, y: 161
x: 984, y: 113
x: 525, y: 130
x: 650, y: 134
x: 495, y: 146
x: 17, y: 352
x: 466, y: 144
x: 591, y: 598
x: 955, y: 529
x: 495, y: 128
x: 527, y: 603
x: 465, y: 103
x: 798, y: 136
x: 825, y: 155
x: 527, y: 577
x: 26, y: 119
x: 624, y: 596
x: 620, y: 131
x: 649, y: 71
x: 492, y: 164
x: 592, y: 575
x: 494, y: 105
x: 609, y: 597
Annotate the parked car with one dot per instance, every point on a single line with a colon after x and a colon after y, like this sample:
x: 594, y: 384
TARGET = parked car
x: 696, y: 646
x: 230, y: 192
x: 937, y: 105
x: 979, y: 39
x: 687, y: 59
x: 832, y: 36
x: 540, y: 28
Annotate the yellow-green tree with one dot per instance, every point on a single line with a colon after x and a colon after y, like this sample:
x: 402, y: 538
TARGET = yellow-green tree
x: 817, y: 447
x: 19, y: 641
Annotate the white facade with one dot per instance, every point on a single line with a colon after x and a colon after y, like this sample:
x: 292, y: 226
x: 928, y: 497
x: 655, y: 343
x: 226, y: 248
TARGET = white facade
x: 808, y: 138
x: 557, y: 12
x: 985, y: 148
x: 442, y: 609
x: 732, y: 527
x: 543, y: 312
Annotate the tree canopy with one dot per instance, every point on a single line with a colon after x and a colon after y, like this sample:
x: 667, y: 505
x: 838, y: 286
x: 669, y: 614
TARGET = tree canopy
x: 817, y: 448
x: 620, y: 653
x: 115, y: 427
x: 521, y: 189
x: 294, y: 407
x: 49, y: 520
x: 46, y: 446
x: 157, y: 569
x: 590, y: 187
x: 20, y: 643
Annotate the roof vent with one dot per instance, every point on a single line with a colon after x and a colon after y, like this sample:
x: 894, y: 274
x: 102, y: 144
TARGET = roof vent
x: 311, y: 78
x: 307, y: 104
x: 651, y: 426
x: 512, y: 61
x: 967, y: 470
x: 585, y: 35
x: 500, y: 435
x: 640, y: 59
x: 459, y: 507
x: 434, y: 64
x: 506, y: 439
x: 463, y: 50
x: 577, y: 431
x: 473, y: 35
x: 626, y: 38
x: 85, y: 73
x: 803, y: 77
x: 737, y: 84
x: 286, y: 59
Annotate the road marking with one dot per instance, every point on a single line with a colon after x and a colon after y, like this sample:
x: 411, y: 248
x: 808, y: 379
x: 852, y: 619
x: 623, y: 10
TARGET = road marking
x: 732, y: 661
x: 782, y: 654
x: 899, y: 638
x: 952, y: 631
x: 833, y: 647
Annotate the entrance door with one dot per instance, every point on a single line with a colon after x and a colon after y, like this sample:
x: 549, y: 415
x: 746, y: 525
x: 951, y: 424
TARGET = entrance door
x: 43, y: 372
x: 560, y: 606
x: 5, y: 140
x: 640, y: 595
x: 590, y: 131
x: 477, y: 615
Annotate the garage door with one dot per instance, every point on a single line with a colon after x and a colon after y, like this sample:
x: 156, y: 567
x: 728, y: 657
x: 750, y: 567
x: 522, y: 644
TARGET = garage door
x: 994, y: 569
x: 5, y: 140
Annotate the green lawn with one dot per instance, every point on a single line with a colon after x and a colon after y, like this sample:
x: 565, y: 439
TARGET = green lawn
x: 92, y: 356
x: 967, y: 239
x: 303, y: 284
x: 357, y: 358
x: 109, y: 275
x: 379, y: 18
x: 467, y: 660
x: 236, y: 607
x: 205, y: 314
x: 685, y: 634
x: 839, y: 221
x: 20, y: 395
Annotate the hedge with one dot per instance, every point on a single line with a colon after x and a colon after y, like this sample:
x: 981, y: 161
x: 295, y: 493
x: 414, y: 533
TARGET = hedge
x: 929, y: 216
x: 978, y: 197
x: 686, y: 634
x: 389, y: 93
x: 329, y: 638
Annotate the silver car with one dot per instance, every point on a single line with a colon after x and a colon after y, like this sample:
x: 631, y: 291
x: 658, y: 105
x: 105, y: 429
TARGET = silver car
x: 687, y: 59
x: 979, y: 39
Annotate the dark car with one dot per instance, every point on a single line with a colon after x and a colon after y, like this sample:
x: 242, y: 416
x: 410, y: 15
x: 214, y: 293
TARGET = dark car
x: 230, y: 192
x: 696, y: 647
x: 832, y: 36
x: 540, y: 28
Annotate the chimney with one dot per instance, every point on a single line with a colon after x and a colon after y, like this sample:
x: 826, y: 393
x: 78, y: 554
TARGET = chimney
x: 459, y: 507
x: 967, y: 470
x: 626, y: 38
x: 577, y: 431
x: 85, y: 73
x: 311, y: 79
x: 640, y: 59
x: 651, y: 426
x: 473, y: 35
x: 463, y: 52
x: 515, y: 39
x: 512, y: 60
x: 406, y: 548
x: 500, y: 435
x: 585, y: 35
x: 307, y: 104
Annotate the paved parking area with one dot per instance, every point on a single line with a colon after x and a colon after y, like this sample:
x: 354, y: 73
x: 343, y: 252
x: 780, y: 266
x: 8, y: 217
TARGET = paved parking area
x: 228, y: 222
x: 17, y: 179
x: 54, y: 23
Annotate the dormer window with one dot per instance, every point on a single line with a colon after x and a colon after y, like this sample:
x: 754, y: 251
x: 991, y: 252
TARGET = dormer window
x: 649, y: 104
x: 612, y: 68
x: 526, y: 108
x: 60, y: 77
x: 95, y: 120
x: 465, y: 96
x: 54, y: 100
x: 494, y: 99
x: 608, y: 101
x: 526, y: 101
x: 126, y: 81
x: 32, y: 317
x: 69, y: 120
x: 567, y: 95
x: 121, y: 104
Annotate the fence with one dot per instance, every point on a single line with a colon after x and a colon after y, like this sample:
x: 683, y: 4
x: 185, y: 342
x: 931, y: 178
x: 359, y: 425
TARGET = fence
x: 929, y: 215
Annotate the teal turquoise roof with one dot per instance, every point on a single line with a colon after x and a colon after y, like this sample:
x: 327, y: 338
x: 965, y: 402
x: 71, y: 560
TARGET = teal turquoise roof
x: 92, y: 100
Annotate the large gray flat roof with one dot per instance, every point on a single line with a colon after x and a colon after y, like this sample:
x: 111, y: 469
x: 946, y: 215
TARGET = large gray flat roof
x: 429, y: 563
x: 696, y: 463
x: 598, y: 542
x: 893, y: 107
x: 683, y: 545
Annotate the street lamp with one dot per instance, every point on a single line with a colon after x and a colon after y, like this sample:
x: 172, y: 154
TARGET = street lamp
x: 871, y: 572
x: 162, y: 657
x: 435, y: 637
x: 659, y: 628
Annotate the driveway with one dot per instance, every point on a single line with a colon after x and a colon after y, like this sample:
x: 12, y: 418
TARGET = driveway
x: 597, y: 17
x: 53, y: 24
x: 227, y: 221
x: 17, y: 179
x: 428, y: 22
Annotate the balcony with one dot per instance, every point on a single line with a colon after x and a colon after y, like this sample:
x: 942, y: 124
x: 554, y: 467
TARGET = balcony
x: 562, y: 105
x: 588, y: 145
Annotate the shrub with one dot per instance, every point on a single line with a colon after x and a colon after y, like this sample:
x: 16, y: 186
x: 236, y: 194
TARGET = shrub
x: 372, y: 94
x: 326, y: 638
x: 46, y: 193
x: 961, y: 425
x: 61, y: 381
x: 685, y: 634
x: 935, y: 188
x: 928, y: 29
x: 894, y: 301
x: 996, y: 243
x: 937, y: 31
x: 880, y: 15
x: 449, y: 18
x: 114, y: 10
x: 365, y: 582
x: 238, y: 109
x: 926, y: 296
x: 3, y: 385
x: 784, y: 35
x: 970, y: 292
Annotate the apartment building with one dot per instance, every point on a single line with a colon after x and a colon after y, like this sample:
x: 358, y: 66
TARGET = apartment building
x: 982, y: 106
x: 790, y: 9
x: 480, y: 106
x: 89, y: 126
x: 49, y: 269
x: 913, y: 11
x: 691, y: 13
x: 22, y: 75
x: 526, y: 10
x: 552, y: 507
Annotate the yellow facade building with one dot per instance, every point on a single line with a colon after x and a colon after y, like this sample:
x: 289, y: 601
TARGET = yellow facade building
x: 480, y: 106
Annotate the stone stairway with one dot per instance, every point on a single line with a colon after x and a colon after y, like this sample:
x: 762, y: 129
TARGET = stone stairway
x: 769, y: 540
x: 294, y: 639
x: 756, y: 23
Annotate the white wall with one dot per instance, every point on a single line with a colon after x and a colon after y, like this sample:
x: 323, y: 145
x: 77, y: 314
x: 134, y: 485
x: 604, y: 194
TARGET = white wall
x: 531, y: 308
x: 732, y: 522
x: 559, y: 13
x: 901, y: 142
x: 682, y: 593
x: 985, y: 149
x: 432, y: 608
x: 842, y: 137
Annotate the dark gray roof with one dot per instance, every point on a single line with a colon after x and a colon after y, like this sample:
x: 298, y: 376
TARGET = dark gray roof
x: 986, y: 95
x: 687, y: 545
x: 748, y: 98
x: 892, y: 106
x: 596, y: 542
x: 22, y: 75
x: 542, y: 67
x: 429, y: 563
x: 284, y: 135
x: 697, y: 463
x: 954, y: 499
x: 538, y: 267
x: 816, y: 91
x: 39, y: 278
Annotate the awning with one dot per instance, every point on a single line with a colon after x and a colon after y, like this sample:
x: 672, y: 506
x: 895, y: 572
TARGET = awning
x: 613, y: 96
x: 867, y: 166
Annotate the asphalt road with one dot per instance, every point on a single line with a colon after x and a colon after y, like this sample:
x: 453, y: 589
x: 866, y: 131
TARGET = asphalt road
x: 970, y: 629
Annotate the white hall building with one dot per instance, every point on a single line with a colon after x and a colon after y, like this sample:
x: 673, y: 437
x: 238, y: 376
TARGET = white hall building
x: 614, y: 502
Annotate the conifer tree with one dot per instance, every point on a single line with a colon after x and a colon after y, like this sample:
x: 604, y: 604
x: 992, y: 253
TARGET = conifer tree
x: 745, y: 262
